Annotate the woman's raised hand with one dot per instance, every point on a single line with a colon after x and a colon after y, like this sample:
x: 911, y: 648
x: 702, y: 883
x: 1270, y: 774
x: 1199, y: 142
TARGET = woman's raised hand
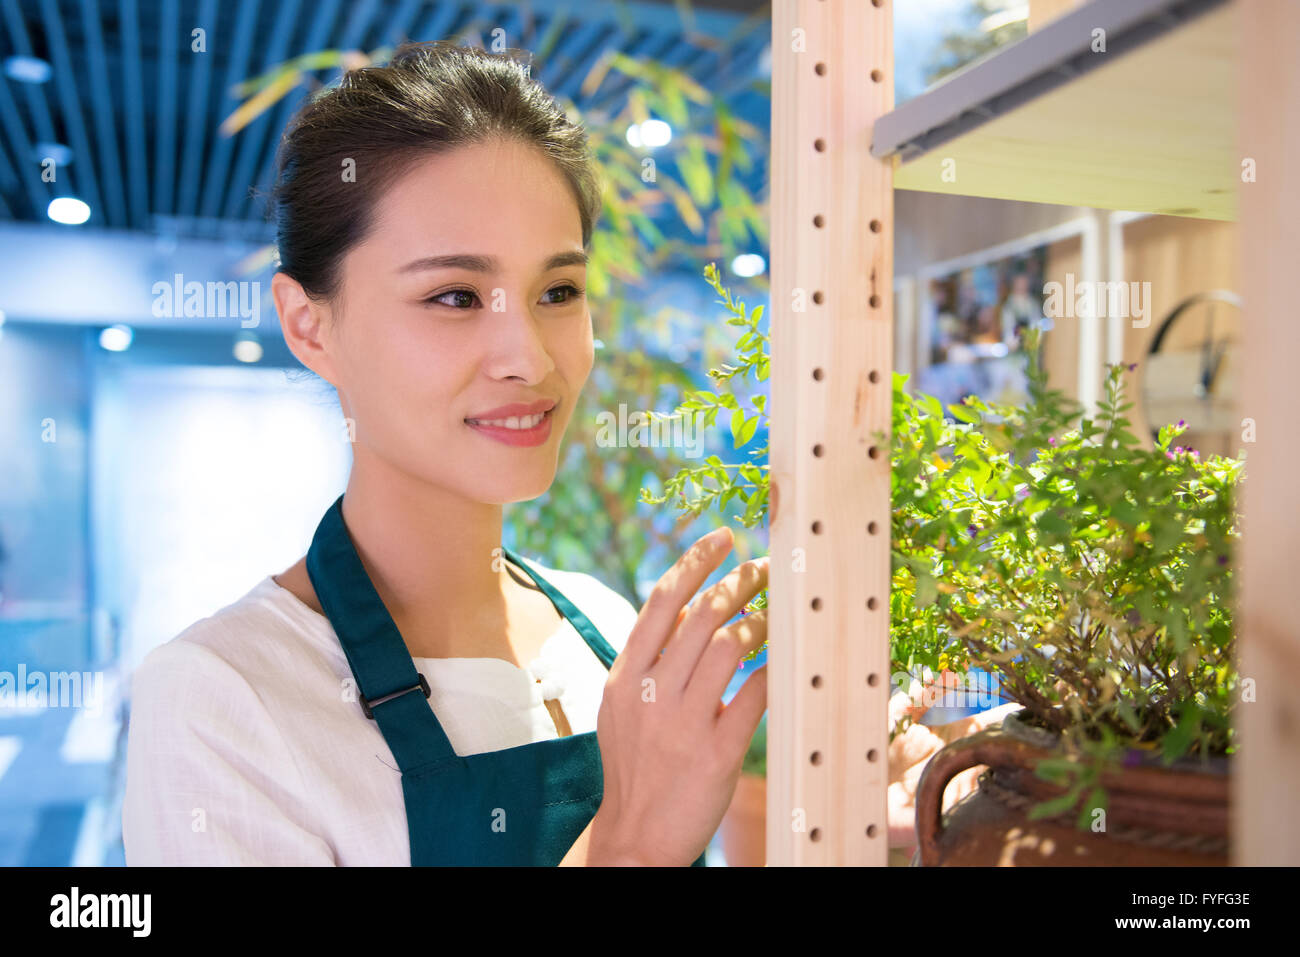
x: 671, y: 750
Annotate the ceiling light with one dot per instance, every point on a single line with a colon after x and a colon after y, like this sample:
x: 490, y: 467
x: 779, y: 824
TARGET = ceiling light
x: 116, y: 338
x: 68, y: 210
x: 27, y: 69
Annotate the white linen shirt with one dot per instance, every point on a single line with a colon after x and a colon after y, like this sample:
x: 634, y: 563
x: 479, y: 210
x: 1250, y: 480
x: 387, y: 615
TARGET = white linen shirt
x: 247, y: 744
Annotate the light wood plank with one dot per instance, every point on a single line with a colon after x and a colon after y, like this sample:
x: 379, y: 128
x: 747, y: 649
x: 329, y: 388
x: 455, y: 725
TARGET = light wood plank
x: 829, y: 680
x: 1266, y: 779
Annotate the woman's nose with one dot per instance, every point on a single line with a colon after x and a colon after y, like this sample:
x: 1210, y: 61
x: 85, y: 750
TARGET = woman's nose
x: 517, y: 346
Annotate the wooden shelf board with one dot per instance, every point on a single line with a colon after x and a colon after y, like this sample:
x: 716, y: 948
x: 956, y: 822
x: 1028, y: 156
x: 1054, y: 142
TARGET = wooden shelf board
x: 1154, y: 130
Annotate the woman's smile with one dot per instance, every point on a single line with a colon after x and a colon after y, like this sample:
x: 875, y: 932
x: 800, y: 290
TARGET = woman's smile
x: 517, y: 424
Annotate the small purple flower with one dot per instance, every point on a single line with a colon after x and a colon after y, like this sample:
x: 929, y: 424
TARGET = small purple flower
x: 1169, y: 455
x: 1132, y: 366
x: 1181, y: 423
x: 973, y: 529
x: 1024, y: 492
x: 1223, y: 559
x: 1132, y: 758
x: 1052, y: 440
x: 1178, y: 448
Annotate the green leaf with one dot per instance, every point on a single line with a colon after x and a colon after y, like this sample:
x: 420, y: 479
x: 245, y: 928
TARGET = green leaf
x: 747, y: 431
x: 1056, y: 805
x: 1178, y: 740
x: 927, y: 589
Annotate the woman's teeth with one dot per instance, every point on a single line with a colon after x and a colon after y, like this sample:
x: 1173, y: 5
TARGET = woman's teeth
x: 514, y: 422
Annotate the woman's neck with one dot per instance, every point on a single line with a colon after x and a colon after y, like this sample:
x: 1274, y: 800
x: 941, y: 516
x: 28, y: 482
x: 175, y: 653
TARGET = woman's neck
x: 433, y: 557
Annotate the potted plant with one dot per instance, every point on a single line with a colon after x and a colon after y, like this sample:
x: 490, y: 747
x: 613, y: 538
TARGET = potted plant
x: 1093, y: 578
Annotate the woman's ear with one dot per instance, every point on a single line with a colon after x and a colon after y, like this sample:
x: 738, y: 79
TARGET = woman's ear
x: 302, y: 321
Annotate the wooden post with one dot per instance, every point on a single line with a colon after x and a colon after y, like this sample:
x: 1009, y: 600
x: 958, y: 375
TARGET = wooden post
x: 831, y: 311
x: 1266, y: 778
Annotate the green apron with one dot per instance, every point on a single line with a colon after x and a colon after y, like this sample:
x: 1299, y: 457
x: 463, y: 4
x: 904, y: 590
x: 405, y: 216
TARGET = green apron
x: 524, y: 805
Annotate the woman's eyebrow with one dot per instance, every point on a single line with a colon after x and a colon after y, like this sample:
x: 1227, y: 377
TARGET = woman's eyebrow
x: 476, y: 263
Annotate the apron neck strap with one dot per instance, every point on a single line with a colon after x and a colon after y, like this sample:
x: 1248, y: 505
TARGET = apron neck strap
x: 391, y: 689
x: 590, y: 633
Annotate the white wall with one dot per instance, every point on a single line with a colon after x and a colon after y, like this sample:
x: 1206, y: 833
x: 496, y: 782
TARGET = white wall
x: 204, y: 481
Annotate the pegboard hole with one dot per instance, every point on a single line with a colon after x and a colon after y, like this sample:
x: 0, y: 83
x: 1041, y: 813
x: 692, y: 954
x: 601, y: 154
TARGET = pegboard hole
x: 875, y: 225
x: 872, y: 679
x: 873, y: 754
x: 819, y: 145
x: 819, y: 220
x: 875, y: 301
x: 816, y: 681
x: 876, y: 76
x: 820, y: 69
x: 872, y: 528
x: 815, y: 757
x: 871, y: 604
x: 817, y: 450
x: 816, y: 528
x: 871, y: 830
x: 873, y: 452
x: 817, y: 373
x: 817, y: 296
x: 816, y: 604
x: 873, y: 376
x: 815, y: 834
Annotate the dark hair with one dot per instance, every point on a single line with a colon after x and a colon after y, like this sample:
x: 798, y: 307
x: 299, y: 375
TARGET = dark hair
x: 430, y: 98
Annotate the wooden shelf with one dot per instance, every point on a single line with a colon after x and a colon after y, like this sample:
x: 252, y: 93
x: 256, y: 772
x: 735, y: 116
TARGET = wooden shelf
x: 1149, y: 125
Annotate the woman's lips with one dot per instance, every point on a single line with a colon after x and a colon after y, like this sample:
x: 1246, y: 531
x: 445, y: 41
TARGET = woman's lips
x: 520, y: 437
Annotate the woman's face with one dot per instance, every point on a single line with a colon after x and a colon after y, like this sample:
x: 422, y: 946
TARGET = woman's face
x: 425, y: 354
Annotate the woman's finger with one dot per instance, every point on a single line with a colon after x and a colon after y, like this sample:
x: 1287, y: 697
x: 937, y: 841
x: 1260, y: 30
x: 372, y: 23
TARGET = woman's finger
x: 710, y: 611
x: 717, y: 666
x: 739, y: 719
x: 655, y: 624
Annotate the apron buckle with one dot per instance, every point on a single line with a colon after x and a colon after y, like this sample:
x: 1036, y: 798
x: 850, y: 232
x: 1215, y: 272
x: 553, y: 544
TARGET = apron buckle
x: 367, y: 705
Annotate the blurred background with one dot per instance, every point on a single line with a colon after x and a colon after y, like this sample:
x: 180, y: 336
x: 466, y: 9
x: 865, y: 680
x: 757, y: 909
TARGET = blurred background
x: 160, y: 453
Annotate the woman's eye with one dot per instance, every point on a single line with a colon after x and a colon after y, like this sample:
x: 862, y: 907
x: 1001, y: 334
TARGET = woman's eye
x: 465, y: 302
x: 573, y: 293
x: 466, y: 297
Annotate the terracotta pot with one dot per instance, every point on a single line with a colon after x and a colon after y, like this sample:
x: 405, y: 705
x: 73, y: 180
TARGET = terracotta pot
x: 1176, y: 816
x: 744, y: 825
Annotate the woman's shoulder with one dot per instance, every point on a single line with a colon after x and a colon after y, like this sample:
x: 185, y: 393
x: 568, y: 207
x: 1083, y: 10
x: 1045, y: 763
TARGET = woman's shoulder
x: 264, y: 631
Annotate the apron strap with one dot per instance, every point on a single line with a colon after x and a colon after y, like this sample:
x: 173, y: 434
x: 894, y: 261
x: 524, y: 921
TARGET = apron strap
x: 393, y: 692
x: 590, y: 633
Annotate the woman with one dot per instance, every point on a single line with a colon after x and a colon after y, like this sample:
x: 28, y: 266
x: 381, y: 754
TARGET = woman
x: 369, y: 704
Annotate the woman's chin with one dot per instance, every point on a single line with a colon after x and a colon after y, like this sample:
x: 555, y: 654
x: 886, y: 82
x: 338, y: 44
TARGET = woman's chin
x: 504, y: 489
